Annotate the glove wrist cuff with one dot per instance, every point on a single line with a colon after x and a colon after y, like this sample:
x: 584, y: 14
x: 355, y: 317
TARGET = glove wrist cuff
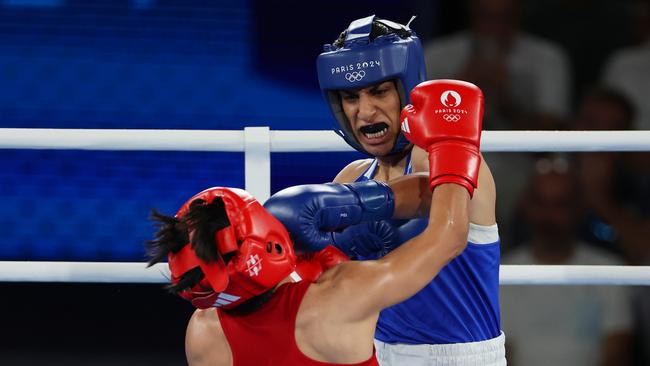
x: 454, y: 162
x: 376, y: 199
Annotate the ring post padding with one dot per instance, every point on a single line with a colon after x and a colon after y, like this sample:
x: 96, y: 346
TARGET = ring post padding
x: 257, y: 161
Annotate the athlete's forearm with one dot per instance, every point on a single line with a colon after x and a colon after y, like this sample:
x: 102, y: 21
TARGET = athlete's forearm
x: 419, y: 260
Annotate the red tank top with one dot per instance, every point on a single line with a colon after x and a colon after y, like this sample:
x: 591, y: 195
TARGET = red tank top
x: 266, y: 336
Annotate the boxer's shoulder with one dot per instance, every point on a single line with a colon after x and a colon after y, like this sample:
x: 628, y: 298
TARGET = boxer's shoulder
x: 353, y: 170
x: 205, y: 340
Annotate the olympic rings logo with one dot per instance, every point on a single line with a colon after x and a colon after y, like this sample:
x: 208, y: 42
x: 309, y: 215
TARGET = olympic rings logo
x: 451, y: 117
x: 355, y: 76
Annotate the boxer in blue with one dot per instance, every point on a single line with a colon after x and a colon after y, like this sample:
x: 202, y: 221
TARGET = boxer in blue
x: 366, y: 76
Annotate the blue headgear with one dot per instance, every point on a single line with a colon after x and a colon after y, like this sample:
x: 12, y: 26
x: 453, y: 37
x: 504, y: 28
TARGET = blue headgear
x: 356, y: 61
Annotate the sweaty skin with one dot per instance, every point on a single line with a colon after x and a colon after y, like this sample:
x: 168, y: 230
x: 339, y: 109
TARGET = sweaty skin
x: 363, y: 288
x: 374, y: 105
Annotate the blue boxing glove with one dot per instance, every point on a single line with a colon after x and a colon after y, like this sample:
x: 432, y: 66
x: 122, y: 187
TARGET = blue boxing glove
x: 373, y: 240
x: 367, y: 240
x: 312, y: 212
x: 411, y: 228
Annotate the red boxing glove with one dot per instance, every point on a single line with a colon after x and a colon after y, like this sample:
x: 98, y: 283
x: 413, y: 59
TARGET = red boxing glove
x: 330, y: 257
x: 311, y: 265
x: 444, y: 118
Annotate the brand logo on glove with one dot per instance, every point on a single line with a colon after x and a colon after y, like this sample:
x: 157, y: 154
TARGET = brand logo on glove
x: 450, y: 99
x: 405, y: 125
x: 253, y: 265
x: 355, y: 76
x: 409, y: 108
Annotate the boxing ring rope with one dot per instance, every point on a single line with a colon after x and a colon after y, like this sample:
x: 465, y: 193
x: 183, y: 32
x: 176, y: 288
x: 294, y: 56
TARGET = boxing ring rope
x: 300, y: 141
x: 123, y: 272
x: 257, y: 143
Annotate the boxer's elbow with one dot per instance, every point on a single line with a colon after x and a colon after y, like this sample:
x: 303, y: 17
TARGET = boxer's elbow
x: 450, y: 234
x: 458, y: 236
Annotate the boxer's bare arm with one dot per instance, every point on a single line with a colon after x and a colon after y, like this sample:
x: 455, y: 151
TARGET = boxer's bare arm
x: 363, y: 288
x: 205, y: 341
x: 338, y: 315
x: 482, y: 207
x: 413, y: 189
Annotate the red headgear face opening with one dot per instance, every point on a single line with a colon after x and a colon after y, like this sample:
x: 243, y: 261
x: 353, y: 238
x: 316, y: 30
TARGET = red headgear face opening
x: 262, y: 253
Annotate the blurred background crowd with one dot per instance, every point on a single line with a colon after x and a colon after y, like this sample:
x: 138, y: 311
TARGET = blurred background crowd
x: 564, y: 65
x: 160, y: 64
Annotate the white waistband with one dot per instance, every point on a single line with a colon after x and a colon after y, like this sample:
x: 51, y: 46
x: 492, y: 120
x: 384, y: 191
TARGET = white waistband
x: 484, y: 353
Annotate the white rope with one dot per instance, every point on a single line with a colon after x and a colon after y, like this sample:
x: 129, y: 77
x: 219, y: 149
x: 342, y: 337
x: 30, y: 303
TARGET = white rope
x: 97, y: 139
x: 574, y: 275
x: 98, y: 272
x: 297, y: 141
x: 116, y: 272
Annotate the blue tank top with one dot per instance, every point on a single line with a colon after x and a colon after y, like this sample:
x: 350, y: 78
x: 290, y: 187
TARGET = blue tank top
x: 461, y: 304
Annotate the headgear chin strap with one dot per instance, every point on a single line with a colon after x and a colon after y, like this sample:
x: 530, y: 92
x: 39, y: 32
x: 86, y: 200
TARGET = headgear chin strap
x: 260, y: 250
x: 356, y: 61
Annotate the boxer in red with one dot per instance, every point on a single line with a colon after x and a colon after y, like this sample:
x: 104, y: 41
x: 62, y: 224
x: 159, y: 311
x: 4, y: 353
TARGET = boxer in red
x: 227, y: 252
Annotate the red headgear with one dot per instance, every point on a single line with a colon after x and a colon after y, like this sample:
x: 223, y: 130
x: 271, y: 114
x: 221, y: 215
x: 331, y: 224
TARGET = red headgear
x: 262, y: 253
